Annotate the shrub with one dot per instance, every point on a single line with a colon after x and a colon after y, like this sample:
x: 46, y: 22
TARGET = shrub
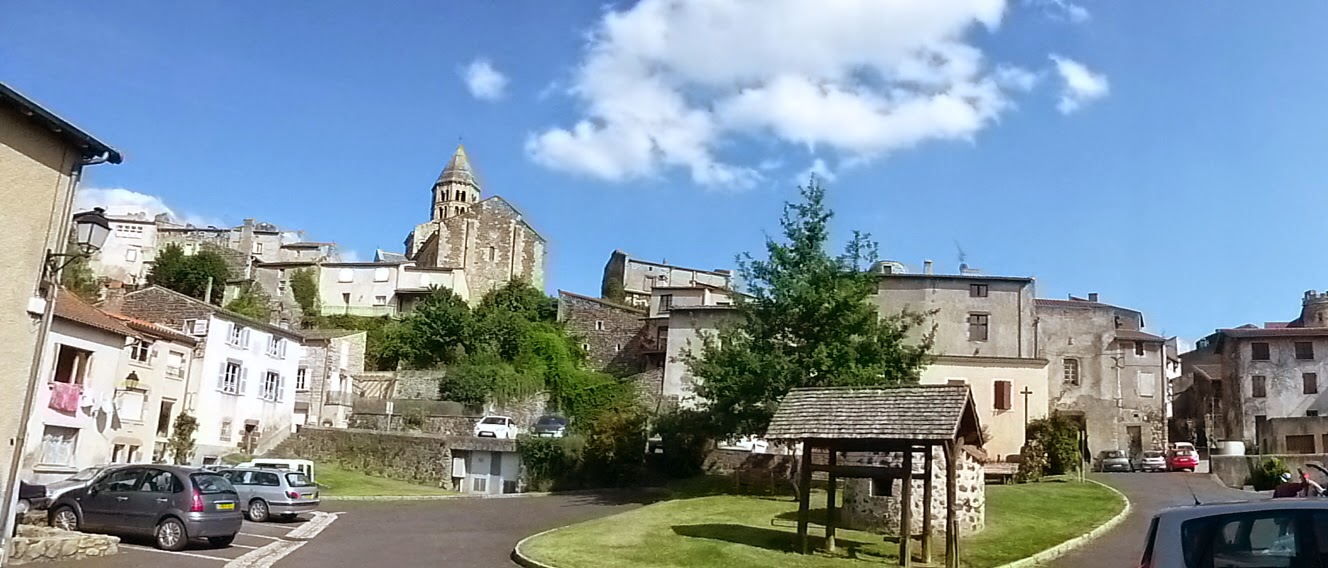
x: 1053, y: 446
x: 685, y: 437
x: 550, y: 462
x: 615, y: 447
x: 1268, y: 474
x: 413, y: 418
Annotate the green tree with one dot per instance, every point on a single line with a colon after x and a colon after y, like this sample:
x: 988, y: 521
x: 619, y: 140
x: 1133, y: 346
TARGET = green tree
x: 807, y: 321
x: 252, y: 302
x: 181, y: 442
x: 304, y: 286
x: 519, y: 297
x: 190, y: 274
x: 77, y: 276
x: 436, y: 332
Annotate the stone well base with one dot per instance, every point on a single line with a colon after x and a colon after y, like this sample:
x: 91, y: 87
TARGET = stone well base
x: 46, y: 544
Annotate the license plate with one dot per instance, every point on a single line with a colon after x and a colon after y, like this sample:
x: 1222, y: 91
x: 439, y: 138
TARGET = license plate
x: 307, y: 495
x: 225, y: 506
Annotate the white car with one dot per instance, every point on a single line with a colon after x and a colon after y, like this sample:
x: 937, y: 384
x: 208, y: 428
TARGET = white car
x: 1275, y: 532
x: 746, y: 444
x: 496, y: 427
x: 1151, y: 460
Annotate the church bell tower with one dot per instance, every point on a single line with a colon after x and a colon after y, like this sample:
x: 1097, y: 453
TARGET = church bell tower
x: 456, y: 189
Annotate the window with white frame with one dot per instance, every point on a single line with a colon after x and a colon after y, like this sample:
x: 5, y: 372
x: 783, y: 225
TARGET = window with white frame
x: 58, y: 446
x: 380, y: 300
x: 258, y: 247
x: 232, y: 378
x: 239, y: 336
x: 174, y: 365
x: 225, y: 433
x: 302, y: 379
x: 131, y: 405
x: 276, y: 347
x: 599, y: 325
x: 1147, y: 384
x: 272, y: 386
x: 381, y: 275
x: 140, y: 352
x: 131, y: 255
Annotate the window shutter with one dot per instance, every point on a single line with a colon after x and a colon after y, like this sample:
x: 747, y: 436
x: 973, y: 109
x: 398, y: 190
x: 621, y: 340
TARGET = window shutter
x: 281, y: 388
x: 244, y: 381
x: 221, y: 377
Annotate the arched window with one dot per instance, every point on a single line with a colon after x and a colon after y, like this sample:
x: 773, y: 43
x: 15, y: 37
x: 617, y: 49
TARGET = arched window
x: 1071, y: 371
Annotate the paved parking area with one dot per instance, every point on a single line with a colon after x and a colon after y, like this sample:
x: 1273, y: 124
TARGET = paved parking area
x: 257, y: 546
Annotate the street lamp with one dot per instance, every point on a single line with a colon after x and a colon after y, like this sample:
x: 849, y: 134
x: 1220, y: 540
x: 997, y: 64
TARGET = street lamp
x: 90, y: 231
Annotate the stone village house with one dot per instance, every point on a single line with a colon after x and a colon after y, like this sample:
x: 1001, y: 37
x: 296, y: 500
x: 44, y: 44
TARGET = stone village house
x: 42, y: 157
x: 1236, y: 381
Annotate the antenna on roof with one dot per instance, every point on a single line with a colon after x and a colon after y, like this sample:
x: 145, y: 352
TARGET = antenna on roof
x: 963, y: 256
x: 1192, y: 494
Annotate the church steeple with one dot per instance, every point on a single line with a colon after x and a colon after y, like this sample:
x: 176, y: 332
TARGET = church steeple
x: 456, y: 189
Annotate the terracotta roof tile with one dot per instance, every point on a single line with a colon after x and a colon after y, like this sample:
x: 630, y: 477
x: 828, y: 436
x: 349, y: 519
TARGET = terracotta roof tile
x: 69, y: 306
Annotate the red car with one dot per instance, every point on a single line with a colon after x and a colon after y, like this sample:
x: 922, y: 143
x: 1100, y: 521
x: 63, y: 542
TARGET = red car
x: 1182, y: 460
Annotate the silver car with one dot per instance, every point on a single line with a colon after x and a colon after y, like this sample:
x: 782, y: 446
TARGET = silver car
x: 265, y: 493
x: 1113, y: 460
x: 1271, y: 533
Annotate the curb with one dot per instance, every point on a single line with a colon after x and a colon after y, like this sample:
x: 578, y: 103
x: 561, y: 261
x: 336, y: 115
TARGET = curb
x: 522, y: 560
x: 572, y: 493
x: 1078, y: 541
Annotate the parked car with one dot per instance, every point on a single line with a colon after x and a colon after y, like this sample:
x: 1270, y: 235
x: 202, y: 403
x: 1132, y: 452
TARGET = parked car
x: 1113, y: 460
x: 495, y: 427
x: 745, y: 444
x: 171, y: 503
x: 1151, y: 460
x: 1256, y: 533
x: 265, y: 492
x: 30, y: 496
x: 1182, y: 460
x: 77, y: 481
x: 303, y: 466
x: 550, y: 426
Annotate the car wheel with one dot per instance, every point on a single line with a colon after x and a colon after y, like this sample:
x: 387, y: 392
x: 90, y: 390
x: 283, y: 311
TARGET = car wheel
x: 258, y: 512
x: 171, y: 535
x: 221, y: 541
x: 65, y: 519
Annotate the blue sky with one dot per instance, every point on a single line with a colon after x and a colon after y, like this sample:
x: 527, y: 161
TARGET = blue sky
x: 1171, y: 161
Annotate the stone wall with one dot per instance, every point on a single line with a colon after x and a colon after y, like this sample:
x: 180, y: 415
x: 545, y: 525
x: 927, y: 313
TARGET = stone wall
x: 612, y: 334
x: 727, y: 462
x: 418, y: 384
x: 46, y: 544
x: 879, y: 511
x: 445, y: 425
x: 1234, y: 471
x: 418, y: 458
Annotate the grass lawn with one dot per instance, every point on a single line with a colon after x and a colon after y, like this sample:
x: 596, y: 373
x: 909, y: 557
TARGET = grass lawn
x: 743, y: 531
x: 335, y: 481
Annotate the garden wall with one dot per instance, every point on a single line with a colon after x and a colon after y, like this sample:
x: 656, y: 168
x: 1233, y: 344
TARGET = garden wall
x: 1234, y: 471
x: 423, y: 459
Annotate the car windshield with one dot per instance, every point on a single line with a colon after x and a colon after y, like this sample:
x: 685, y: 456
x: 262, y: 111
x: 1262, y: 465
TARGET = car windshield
x: 299, y: 480
x: 551, y: 421
x: 1184, y: 453
x: 211, y: 483
x: 1152, y: 454
x: 1114, y: 454
x: 86, y: 474
x: 493, y: 420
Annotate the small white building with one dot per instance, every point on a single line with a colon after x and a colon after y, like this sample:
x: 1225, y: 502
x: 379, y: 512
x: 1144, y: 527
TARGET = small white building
x: 245, y: 378
x: 678, y: 316
x: 485, y: 466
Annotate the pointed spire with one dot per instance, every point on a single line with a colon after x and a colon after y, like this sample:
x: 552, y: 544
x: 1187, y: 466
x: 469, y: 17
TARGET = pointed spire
x: 458, y: 169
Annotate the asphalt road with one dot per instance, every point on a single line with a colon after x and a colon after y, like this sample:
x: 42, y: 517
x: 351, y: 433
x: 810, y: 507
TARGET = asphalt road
x: 477, y: 533
x: 1148, y: 494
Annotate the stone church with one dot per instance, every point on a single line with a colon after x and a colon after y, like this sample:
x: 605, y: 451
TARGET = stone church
x: 487, y: 238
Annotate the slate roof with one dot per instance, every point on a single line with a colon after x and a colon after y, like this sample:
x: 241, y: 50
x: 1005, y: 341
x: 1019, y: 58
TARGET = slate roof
x: 72, y: 308
x: 918, y: 412
x: 1131, y: 335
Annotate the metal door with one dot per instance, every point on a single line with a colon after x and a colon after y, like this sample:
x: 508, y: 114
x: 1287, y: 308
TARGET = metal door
x: 108, y: 497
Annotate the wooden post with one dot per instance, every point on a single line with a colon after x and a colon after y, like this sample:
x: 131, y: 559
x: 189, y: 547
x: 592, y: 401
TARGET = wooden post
x: 804, y: 496
x: 830, y: 506
x: 951, y: 511
x: 926, y: 504
x: 906, y: 511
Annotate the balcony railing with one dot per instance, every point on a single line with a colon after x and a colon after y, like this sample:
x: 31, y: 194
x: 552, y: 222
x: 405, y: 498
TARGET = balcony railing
x: 339, y: 398
x: 372, y: 311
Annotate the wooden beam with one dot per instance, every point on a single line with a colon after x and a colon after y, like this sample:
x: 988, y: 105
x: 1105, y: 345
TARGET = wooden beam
x: 804, y: 498
x: 951, y: 512
x: 860, y: 471
x: 830, y: 506
x: 926, y: 504
x: 906, y: 512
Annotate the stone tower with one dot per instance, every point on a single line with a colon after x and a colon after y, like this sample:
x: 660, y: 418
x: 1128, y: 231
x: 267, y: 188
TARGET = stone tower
x: 456, y: 189
x: 1314, y: 309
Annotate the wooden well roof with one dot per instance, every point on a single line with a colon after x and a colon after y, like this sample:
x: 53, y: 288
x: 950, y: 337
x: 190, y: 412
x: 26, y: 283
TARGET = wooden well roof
x: 914, y: 412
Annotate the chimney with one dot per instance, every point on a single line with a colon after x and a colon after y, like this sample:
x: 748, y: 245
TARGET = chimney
x: 926, y: 267
x: 1092, y: 296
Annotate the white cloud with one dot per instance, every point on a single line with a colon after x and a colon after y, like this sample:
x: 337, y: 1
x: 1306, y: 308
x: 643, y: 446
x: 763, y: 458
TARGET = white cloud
x: 1082, y: 86
x: 1062, y: 10
x: 669, y: 83
x: 121, y: 201
x: 483, y: 81
x: 817, y: 168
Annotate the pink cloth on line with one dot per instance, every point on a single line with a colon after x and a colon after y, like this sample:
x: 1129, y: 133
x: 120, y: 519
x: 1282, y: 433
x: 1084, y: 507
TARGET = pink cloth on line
x: 64, y: 397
